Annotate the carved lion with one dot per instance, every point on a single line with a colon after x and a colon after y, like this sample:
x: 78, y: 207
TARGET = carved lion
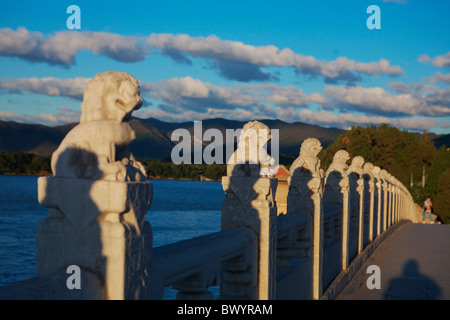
x: 110, y: 96
x: 250, y: 157
x: 357, y: 165
x: 97, y: 148
x: 339, y: 162
x: 307, y: 160
x: 368, y: 168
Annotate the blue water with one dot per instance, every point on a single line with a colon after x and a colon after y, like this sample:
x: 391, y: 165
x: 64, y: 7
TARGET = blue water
x: 180, y: 210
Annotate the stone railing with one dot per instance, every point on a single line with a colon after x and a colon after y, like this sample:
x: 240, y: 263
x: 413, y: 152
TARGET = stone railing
x: 99, y: 196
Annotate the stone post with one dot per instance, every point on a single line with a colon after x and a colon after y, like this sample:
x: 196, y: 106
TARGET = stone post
x: 368, y: 173
x: 99, y: 195
x: 337, y: 189
x: 356, y: 171
x: 394, y: 216
x: 391, y: 201
x: 99, y: 225
x: 376, y: 173
x: 305, y: 194
x: 250, y: 202
x: 385, y: 185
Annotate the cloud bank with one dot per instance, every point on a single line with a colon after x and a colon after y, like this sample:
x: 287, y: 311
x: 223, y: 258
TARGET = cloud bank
x: 239, y: 61
x: 414, y: 107
x: 233, y: 60
x: 62, y: 47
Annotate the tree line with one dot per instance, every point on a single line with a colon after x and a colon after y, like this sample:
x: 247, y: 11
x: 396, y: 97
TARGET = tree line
x: 28, y: 163
x: 405, y: 155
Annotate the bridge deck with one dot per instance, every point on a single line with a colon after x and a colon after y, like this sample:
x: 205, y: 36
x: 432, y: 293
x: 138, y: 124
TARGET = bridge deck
x: 414, y: 264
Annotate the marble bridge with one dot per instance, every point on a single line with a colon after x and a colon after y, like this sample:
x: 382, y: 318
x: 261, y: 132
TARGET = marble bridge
x: 309, y: 236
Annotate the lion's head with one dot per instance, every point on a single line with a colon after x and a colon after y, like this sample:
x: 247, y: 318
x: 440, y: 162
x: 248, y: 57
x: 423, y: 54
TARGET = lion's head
x: 310, y: 147
x: 368, y: 168
x: 341, y: 156
x: 110, y: 95
x: 376, y: 171
x: 256, y: 129
x: 357, y: 163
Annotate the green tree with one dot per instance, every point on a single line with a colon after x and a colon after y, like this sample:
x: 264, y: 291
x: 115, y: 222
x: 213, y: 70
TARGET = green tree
x: 400, y: 152
x: 441, y: 199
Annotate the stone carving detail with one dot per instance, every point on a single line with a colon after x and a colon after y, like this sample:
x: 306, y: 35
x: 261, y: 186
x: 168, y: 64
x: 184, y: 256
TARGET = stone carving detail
x: 97, y: 148
x: 355, y: 173
x: 336, y: 182
x: 250, y: 200
x: 307, y: 163
x: 306, y: 177
x: 357, y: 165
x: 250, y: 157
x: 99, y: 194
x: 339, y: 163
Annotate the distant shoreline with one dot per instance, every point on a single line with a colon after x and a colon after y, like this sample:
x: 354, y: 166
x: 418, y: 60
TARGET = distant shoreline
x: 37, y: 173
x: 149, y: 177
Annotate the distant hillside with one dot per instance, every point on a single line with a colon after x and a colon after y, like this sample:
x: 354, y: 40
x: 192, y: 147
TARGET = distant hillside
x: 442, y: 140
x: 34, y: 138
x: 153, y: 136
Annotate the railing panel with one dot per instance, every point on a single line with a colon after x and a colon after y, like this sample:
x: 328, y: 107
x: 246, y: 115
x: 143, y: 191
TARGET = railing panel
x: 195, y: 264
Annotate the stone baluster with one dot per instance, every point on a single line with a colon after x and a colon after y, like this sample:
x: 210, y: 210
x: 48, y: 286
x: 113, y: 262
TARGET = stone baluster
x: 337, y: 192
x: 250, y: 189
x: 356, y: 172
x: 194, y: 288
x: 305, y: 194
x: 376, y: 173
x: 395, y: 211
x: 99, y: 195
x: 391, y: 200
x: 385, y: 185
x: 368, y: 174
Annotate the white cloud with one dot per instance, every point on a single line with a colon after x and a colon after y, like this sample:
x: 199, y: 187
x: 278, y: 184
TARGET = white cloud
x: 192, y: 93
x: 186, y: 98
x: 439, y: 77
x: 442, y: 61
x: 346, y: 120
x: 239, y: 61
x: 62, y: 47
x: 380, y: 102
x: 232, y: 59
x: 49, y: 119
x: 72, y: 88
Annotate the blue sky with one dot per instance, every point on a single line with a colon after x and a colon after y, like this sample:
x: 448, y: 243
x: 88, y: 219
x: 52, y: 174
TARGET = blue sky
x: 308, y: 61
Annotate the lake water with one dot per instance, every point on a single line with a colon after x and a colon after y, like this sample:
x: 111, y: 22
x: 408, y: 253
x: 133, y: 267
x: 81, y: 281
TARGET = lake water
x: 180, y: 210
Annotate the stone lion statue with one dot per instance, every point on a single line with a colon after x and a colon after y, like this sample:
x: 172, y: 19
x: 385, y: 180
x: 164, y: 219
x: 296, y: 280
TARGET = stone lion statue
x: 376, y: 171
x: 339, y: 162
x: 250, y: 157
x: 110, y: 96
x: 97, y: 148
x: 357, y: 165
x: 307, y: 159
x: 368, y: 168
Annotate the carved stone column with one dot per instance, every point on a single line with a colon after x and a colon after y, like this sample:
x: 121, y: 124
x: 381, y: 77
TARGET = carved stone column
x: 99, y: 195
x: 376, y: 172
x: 385, y: 184
x: 356, y: 171
x: 305, y: 194
x: 250, y: 202
x: 368, y: 174
x: 337, y: 189
x: 99, y: 225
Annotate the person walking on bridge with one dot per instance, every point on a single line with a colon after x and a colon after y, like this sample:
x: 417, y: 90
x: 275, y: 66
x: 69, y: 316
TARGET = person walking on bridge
x: 427, y: 208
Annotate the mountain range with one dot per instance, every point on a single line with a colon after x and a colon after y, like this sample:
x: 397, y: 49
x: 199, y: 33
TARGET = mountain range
x: 153, y: 137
